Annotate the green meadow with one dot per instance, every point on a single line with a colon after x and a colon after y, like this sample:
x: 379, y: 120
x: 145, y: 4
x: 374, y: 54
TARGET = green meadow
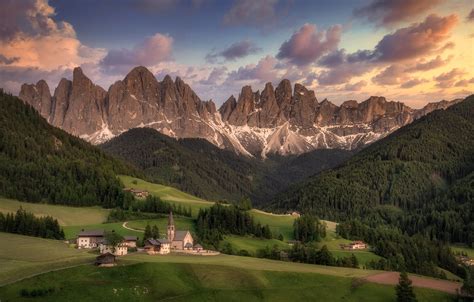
x: 22, y: 256
x: 65, y: 215
x: 199, y: 282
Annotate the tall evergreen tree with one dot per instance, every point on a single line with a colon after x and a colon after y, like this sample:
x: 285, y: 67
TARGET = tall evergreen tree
x: 404, y: 289
x: 155, y: 232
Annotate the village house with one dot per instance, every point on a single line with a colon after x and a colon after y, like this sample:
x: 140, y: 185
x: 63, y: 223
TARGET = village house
x: 89, y: 239
x: 105, y: 260
x: 180, y: 240
x: 130, y: 241
x: 120, y: 250
x: 137, y: 193
x: 355, y: 245
x: 157, y: 246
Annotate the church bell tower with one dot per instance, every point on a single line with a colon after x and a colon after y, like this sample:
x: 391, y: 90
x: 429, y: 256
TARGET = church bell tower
x: 170, y: 227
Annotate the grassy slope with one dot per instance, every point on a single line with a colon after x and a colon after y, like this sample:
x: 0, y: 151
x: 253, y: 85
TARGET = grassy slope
x: 22, y: 256
x: 65, y: 215
x: 196, y: 282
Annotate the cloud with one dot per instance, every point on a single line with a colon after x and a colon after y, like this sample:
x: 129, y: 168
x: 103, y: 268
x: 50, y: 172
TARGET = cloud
x: 343, y: 73
x: 447, y: 79
x: 308, y: 44
x: 412, y: 83
x: 464, y: 83
x: 355, y: 86
x: 416, y: 40
x: 470, y: 17
x: 390, y: 12
x: 391, y: 75
x: 265, y: 70
x: 31, y: 37
x: 8, y: 61
x: 235, y: 51
x: 217, y: 75
x: 432, y: 64
x: 155, y: 49
x: 251, y: 13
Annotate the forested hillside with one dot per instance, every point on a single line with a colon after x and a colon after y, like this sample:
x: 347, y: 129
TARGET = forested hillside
x: 200, y: 168
x: 419, y: 179
x: 41, y: 163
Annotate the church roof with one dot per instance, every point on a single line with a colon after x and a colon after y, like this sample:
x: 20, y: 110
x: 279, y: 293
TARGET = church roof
x: 179, y: 235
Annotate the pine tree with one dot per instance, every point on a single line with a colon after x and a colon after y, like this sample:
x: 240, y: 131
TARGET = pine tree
x: 404, y: 289
x: 148, y: 234
x: 155, y: 233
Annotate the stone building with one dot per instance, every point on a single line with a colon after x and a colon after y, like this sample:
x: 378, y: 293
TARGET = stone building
x: 180, y: 240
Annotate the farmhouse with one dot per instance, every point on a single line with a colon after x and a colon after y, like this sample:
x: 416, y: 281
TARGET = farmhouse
x: 137, y: 193
x: 355, y: 245
x: 105, y: 260
x: 120, y: 250
x: 180, y: 240
x: 157, y: 246
x: 89, y: 239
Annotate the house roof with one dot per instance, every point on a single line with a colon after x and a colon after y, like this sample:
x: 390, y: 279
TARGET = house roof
x: 179, y: 235
x: 130, y: 238
x: 91, y: 233
x: 198, y: 246
x: 153, y: 241
x: 163, y: 241
x: 188, y: 245
x: 105, y: 255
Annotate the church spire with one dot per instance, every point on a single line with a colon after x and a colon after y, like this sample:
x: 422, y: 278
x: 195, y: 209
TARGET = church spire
x: 170, y: 219
x: 171, y: 230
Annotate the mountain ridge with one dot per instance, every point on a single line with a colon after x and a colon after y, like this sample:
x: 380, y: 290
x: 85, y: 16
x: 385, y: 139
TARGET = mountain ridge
x: 283, y: 120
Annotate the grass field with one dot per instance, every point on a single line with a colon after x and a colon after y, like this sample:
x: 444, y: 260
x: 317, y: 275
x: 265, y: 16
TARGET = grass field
x: 22, y: 256
x: 252, y: 244
x: 463, y: 249
x: 65, y: 215
x: 198, y: 282
x: 71, y: 231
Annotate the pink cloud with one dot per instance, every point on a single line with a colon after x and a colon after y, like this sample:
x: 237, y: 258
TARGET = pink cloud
x: 447, y: 79
x: 155, y: 49
x: 390, y: 12
x: 416, y: 40
x: 308, y: 44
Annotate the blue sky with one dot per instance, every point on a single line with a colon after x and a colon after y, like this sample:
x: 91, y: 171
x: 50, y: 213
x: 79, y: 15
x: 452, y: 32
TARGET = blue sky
x: 341, y: 49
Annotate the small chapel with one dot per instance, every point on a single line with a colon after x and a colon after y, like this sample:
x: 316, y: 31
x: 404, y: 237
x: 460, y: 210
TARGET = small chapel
x: 180, y: 240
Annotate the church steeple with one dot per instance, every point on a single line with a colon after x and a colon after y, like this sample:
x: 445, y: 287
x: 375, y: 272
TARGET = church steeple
x: 171, y: 229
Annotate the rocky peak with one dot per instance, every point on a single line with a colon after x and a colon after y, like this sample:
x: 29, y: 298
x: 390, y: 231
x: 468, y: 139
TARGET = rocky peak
x: 37, y: 96
x: 245, y: 105
x: 226, y: 109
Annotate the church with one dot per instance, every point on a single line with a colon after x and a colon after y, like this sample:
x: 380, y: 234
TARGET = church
x: 180, y: 240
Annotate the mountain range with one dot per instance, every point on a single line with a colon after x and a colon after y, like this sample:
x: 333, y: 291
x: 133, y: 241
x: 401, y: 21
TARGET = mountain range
x: 283, y: 120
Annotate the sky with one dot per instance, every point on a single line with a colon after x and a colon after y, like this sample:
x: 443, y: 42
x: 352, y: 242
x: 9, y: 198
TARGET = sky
x: 412, y: 51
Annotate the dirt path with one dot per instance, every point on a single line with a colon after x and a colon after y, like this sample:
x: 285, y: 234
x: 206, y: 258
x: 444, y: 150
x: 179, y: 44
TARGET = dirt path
x: 426, y: 282
x: 125, y: 226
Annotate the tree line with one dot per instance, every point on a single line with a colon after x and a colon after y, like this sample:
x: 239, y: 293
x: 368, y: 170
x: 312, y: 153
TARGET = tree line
x: 400, y: 252
x: 215, y: 222
x: 25, y: 223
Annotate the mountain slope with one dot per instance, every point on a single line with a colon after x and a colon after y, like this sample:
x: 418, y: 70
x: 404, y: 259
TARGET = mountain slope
x: 200, y: 168
x: 420, y: 178
x: 284, y: 120
x: 40, y: 163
